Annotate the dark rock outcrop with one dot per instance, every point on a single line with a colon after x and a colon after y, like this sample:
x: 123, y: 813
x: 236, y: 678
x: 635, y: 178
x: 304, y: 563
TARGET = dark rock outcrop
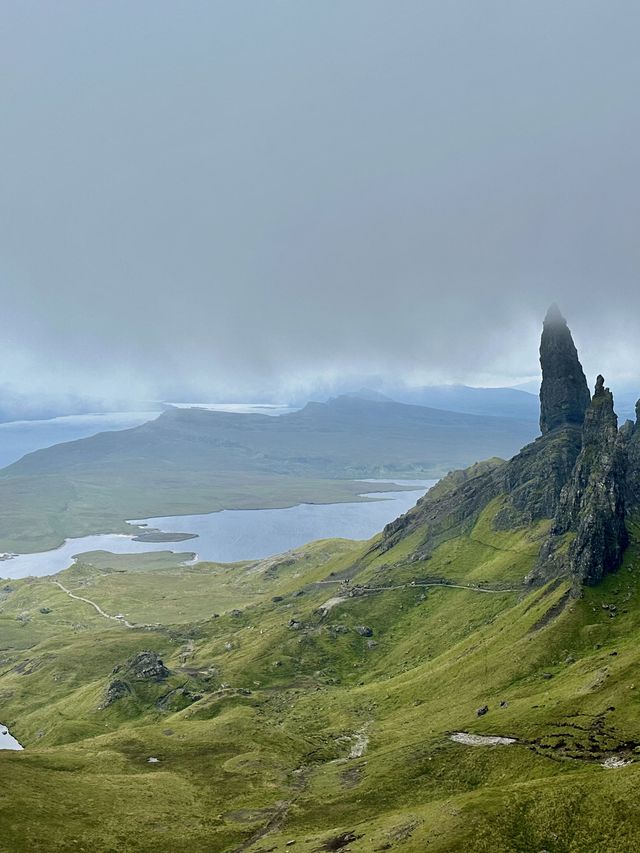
x: 564, y: 394
x: 598, y: 461
x: 144, y: 666
x: 117, y: 689
x: 533, y: 480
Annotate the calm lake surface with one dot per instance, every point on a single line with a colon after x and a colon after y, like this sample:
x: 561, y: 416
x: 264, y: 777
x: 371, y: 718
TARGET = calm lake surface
x: 233, y: 535
x: 7, y: 741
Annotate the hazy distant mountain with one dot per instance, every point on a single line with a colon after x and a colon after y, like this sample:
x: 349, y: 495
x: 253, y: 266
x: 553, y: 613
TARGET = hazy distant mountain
x: 497, y: 402
x: 15, y: 406
x: 369, y: 394
x: 193, y: 460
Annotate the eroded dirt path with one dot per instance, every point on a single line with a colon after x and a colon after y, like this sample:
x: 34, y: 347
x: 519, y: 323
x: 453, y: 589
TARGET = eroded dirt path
x: 445, y: 584
x: 120, y: 619
x: 279, y: 815
x: 365, y: 590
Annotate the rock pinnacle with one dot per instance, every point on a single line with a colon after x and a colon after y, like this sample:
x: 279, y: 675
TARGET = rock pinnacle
x: 564, y: 394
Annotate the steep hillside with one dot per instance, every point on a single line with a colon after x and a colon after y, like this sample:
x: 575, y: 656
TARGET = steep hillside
x: 320, y: 705
x: 446, y: 686
x: 193, y: 460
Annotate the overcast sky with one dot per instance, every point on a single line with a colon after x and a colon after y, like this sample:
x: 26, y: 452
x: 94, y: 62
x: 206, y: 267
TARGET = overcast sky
x: 234, y: 198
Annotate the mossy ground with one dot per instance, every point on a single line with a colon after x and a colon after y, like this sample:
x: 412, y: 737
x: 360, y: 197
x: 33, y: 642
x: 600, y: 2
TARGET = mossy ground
x: 290, y: 692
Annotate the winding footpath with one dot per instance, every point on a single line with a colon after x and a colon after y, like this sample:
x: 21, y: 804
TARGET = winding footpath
x: 438, y: 583
x: 414, y: 584
x: 120, y: 619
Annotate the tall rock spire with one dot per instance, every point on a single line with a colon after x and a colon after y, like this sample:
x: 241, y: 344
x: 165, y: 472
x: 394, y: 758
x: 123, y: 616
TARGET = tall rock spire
x: 564, y: 394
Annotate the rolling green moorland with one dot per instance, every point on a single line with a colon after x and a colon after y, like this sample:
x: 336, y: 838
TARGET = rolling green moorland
x: 467, y: 680
x: 278, y: 720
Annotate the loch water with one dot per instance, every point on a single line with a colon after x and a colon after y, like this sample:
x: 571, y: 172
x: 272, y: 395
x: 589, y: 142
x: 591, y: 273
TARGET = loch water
x: 234, y: 535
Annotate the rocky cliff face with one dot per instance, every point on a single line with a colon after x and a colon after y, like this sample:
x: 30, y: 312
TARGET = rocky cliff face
x: 589, y: 536
x: 582, y: 473
x: 631, y: 438
x: 533, y: 480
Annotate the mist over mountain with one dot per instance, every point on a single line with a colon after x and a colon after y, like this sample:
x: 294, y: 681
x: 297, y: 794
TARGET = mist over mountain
x: 499, y: 402
x: 259, y: 203
x: 18, y: 405
x: 269, y: 271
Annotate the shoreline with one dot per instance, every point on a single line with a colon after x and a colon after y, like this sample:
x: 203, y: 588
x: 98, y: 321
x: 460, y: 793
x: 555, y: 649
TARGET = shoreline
x: 44, y: 563
x: 138, y: 526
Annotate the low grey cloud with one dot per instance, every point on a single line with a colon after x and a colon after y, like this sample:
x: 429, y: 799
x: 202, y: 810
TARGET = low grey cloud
x: 246, y: 198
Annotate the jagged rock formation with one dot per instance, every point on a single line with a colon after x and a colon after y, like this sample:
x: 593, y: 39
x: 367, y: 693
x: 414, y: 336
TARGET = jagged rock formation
x: 533, y: 480
x: 598, y: 459
x: 631, y: 438
x: 589, y: 534
x: 144, y: 666
x: 582, y: 473
x: 564, y: 393
x: 117, y: 689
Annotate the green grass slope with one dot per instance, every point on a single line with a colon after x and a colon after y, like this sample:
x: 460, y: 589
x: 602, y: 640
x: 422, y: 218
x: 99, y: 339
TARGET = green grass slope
x: 312, y: 697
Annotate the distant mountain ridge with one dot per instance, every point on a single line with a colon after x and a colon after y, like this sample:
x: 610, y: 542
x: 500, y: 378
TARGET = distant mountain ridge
x: 196, y: 460
x: 258, y: 437
x: 520, y: 402
x: 498, y: 402
x: 493, y: 402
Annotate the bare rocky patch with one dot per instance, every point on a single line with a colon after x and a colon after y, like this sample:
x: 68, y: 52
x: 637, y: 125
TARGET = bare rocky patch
x: 481, y: 740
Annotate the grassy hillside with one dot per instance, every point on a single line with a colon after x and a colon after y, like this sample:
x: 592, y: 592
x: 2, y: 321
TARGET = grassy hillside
x: 318, y: 705
x: 192, y: 461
